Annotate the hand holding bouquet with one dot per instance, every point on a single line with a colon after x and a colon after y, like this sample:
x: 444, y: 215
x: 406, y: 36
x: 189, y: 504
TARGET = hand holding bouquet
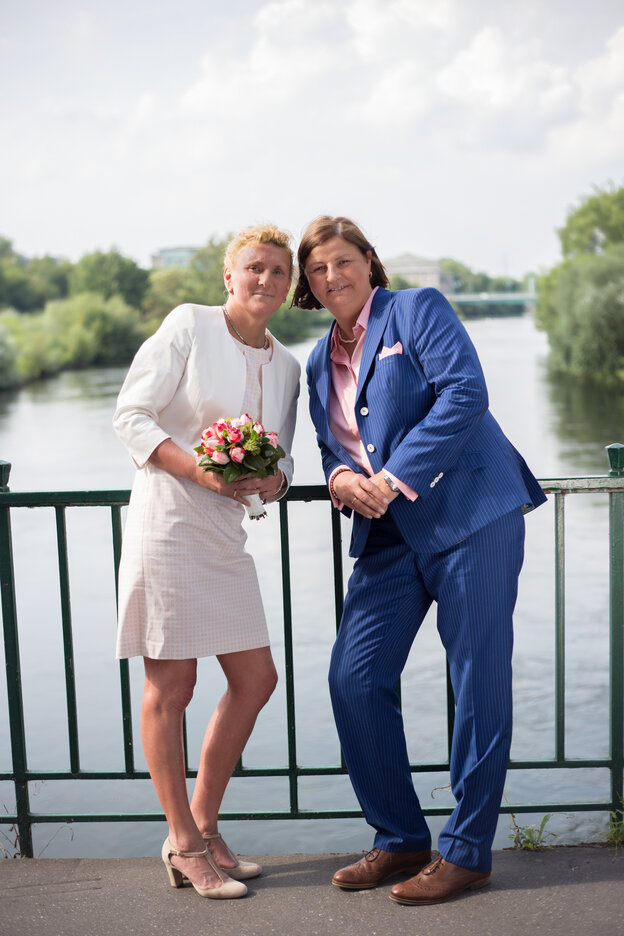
x: 238, y: 447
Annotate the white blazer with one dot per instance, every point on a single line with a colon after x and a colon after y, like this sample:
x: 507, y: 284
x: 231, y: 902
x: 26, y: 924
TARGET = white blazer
x: 189, y: 374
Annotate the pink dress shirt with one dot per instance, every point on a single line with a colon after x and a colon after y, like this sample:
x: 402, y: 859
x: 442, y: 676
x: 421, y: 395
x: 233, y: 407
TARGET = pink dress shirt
x: 344, y: 375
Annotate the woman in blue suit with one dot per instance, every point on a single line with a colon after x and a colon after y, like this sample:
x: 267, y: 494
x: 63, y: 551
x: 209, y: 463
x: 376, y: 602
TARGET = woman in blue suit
x: 437, y: 492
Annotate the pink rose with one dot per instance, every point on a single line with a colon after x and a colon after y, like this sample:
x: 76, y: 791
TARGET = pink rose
x: 234, y: 435
x: 210, y: 439
x: 272, y: 439
x: 219, y: 458
x: 242, y: 420
x: 237, y: 454
x: 259, y: 428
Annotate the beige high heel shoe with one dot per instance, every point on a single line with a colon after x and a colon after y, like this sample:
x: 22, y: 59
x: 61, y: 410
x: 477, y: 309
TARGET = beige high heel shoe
x: 240, y: 872
x: 228, y: 890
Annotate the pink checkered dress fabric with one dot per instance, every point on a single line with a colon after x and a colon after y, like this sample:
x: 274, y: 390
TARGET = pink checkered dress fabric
x: 187, y: 586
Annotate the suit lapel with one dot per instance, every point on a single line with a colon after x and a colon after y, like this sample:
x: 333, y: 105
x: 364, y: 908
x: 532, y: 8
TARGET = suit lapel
x: 323, y: 386
x: 323, y: 382
x: 380, y: 310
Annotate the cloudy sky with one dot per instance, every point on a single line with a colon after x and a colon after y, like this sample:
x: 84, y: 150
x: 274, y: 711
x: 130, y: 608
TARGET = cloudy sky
x: 461, y: 128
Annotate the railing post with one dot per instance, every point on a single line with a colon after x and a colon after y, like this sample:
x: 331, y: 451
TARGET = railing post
x: 289, y: 660
x: 615, y: 454
x: 13, y: 673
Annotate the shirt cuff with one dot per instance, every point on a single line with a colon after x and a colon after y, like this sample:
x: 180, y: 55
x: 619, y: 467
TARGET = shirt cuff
x: 405, y: 489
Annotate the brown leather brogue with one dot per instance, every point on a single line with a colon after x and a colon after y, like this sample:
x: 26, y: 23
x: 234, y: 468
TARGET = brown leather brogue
x: 377, y: 866
x: 441, y: 880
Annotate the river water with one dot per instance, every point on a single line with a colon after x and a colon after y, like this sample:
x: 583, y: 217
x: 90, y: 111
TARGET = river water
x: 57, y: 434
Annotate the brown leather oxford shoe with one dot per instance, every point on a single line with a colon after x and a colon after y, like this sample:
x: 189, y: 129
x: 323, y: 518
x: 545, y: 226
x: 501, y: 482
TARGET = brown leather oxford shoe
x: 377, y: 866
x: 439, y: 881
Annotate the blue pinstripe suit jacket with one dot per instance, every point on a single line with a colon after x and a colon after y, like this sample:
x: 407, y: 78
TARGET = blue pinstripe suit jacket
x: 423, y: 415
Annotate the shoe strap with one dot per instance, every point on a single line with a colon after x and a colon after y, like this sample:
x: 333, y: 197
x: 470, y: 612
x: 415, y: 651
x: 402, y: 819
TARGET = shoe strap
x: 185, y: 854
x: 217, y: 835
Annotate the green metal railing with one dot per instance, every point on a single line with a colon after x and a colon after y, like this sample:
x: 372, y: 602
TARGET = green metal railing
x: 24, y: 818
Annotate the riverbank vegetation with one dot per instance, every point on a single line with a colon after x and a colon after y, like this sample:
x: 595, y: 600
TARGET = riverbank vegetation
x: 581, y: 300
x: 56, y: 315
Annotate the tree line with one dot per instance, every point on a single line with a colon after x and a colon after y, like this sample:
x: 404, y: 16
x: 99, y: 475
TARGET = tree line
x: 56, y: 315
x: 580, y: 301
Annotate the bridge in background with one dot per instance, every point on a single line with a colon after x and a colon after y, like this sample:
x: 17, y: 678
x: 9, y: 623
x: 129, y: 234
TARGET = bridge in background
x: 500, y: 298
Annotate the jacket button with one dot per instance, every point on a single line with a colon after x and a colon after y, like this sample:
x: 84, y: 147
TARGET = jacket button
x: 433, y: 484
x: 364, y: 411
x: 370, y: 447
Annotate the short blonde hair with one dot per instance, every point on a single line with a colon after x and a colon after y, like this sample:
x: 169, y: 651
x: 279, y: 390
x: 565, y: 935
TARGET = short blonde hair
x: 258, y: 234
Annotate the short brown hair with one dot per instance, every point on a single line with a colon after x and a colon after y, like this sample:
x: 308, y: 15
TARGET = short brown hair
x: 258, y: 234
x: 317, y: 233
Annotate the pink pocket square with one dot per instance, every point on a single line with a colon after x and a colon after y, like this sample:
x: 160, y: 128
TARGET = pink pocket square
x: 395, y: 349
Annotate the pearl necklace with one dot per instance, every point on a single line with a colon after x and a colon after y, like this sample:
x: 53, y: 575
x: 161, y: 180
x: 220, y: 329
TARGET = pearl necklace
x: 342, y: 337
x: 236, y: 331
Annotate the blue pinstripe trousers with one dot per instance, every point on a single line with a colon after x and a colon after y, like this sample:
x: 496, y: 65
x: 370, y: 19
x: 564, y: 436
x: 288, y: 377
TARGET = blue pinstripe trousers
x: 390, y: 590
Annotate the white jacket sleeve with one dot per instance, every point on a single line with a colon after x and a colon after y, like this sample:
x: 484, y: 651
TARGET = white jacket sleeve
x: 151, y: 383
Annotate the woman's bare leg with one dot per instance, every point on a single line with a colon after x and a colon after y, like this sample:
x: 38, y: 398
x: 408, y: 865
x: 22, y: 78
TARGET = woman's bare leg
x: 168, y: 690
x: 251, y: 679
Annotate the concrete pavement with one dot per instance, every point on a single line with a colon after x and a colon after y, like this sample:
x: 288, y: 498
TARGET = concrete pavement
x: 563, y: 891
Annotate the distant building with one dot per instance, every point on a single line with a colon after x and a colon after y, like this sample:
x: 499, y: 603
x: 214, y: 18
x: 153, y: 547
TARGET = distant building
x: 418, y: 271
x: 173, y: 256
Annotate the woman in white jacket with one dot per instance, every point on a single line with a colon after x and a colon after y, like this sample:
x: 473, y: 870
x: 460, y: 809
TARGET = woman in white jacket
x: 187, y: 587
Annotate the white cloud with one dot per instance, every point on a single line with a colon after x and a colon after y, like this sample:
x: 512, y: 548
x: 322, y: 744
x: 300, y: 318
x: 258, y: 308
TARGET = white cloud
x: 505, y: 91
x: 81, y: 25
x: 288, y: 53
x: 597, y: 132
x: 419, y: 117
x: 383, y: 30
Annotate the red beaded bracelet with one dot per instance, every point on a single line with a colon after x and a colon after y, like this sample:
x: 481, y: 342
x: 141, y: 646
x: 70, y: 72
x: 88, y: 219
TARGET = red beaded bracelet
x: 333, y: 478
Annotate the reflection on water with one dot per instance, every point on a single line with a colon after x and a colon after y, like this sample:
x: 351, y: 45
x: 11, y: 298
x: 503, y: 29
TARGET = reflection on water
x: 57, y: 434
x: 585, y: 417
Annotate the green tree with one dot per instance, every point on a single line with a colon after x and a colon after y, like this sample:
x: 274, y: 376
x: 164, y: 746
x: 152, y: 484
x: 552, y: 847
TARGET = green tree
x: 78, y: 331
x: 291, y: 325
x: 8, y: 375
x: 581, y: 300
x: 465, y: 280
x: 109, y: 274
x: 201, y: 282
x: 35, y: 354
x: 594, y: 225
x: 6, y: 248
x: 399, y: 282
x: 26, y: 285
x: 90, y: 330
x: 49, y: 278
x: 206, y: 273
x: 168, y: 287
x: 586, y: 316
x: 16, y: 289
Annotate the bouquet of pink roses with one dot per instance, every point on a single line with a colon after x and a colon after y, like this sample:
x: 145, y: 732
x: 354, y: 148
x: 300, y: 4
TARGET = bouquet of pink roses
x: 238, y: 446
